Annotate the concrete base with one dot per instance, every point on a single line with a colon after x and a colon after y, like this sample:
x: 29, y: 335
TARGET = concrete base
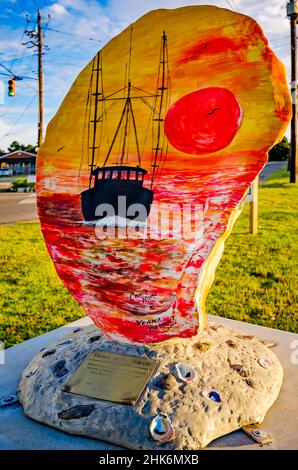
x: 236, y: 379
x: 18, y: 432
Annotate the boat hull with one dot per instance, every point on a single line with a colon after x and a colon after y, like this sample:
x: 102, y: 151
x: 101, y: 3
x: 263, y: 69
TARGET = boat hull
x: 120, y: 198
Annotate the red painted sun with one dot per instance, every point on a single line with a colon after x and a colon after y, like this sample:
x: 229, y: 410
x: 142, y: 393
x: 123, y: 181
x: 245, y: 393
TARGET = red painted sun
x: 204, y: 121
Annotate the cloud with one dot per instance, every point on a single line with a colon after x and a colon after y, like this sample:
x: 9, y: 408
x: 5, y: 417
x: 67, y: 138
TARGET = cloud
x: 58, y: 10
x: 27, y: 134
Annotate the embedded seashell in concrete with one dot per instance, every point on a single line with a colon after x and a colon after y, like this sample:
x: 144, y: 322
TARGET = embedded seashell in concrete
x: 185, y: 372
x: 212, y: 395
x: 214, y: 327
x: 66, y: 342
x: 49, y: 352
x: 254, y: 384
x: 268, y: 343
x: 168, y: 382
x: 161, y: 428
x: 241, y: 370
x: 265, y: 363
x: 202, y: 347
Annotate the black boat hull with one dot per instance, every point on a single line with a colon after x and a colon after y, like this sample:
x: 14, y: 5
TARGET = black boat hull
x: 108, y: 192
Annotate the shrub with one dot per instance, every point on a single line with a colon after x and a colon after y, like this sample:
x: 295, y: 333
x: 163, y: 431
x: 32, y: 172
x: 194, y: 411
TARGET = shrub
x: 20, y: 183
x: 281, y: 151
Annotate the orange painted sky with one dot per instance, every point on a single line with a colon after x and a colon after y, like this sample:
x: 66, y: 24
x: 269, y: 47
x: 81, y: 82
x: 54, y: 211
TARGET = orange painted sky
x: 202, y: 54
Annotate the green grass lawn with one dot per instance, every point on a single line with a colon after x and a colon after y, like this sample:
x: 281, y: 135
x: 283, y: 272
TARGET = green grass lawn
x: 257, y: 277
x: 256, y: 280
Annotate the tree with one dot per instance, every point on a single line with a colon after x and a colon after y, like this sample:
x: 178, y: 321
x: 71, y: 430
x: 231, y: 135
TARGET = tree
x: 15, y: 145
x: 31, y: 148
x: 281, y: 151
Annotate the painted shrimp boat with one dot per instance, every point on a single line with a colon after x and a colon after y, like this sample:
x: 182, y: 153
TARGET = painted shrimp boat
x: 110, y: 183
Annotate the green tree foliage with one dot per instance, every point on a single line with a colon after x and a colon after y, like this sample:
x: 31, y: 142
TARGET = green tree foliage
x: 281, y: 151
x: 15, y: 145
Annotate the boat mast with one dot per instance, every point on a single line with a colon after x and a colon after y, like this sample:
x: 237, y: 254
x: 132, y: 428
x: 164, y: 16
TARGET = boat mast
x: 127, y: 108
x: 97, y: 93
x: 157, y: 150
x: 129, y: 112
x: 126, y: 114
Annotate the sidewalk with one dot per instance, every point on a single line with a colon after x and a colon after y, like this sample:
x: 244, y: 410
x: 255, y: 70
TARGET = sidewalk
x: 270, y: 168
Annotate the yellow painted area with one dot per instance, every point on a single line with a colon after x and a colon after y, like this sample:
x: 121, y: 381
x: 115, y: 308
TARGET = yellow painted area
x: 208, y: 272
x: 196, y: 61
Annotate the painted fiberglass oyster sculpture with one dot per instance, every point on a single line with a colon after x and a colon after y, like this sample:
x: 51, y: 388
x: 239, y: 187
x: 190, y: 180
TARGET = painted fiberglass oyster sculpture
x: 146, y: 161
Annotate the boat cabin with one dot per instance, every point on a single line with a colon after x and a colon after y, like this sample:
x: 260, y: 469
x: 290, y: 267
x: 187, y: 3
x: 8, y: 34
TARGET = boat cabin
x: 134, y: 174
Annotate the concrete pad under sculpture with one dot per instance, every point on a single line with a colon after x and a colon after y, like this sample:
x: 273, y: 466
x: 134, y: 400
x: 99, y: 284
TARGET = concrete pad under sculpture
x: 225, y: 362
x: 19, y: 432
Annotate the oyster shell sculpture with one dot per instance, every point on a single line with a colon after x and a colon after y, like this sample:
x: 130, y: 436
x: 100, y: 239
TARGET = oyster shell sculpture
x: 146, y: 162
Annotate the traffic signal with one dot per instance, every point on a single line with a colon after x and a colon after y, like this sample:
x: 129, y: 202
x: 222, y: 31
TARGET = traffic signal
x: 11, y: 87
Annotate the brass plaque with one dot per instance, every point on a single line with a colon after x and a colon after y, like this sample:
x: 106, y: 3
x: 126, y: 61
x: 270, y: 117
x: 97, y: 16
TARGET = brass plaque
x: 113, y: 377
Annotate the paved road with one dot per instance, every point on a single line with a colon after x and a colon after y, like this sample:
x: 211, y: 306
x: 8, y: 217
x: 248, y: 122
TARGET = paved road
x: 271, y: 168
x: 16, y: 207
x: 5, y: 179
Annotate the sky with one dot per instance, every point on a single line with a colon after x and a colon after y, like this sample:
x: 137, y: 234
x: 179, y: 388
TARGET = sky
x: 84, y: 27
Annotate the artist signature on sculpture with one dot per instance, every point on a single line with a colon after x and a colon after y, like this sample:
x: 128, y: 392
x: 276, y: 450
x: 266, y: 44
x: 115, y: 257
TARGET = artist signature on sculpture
x: 164, y: 325
x: 152, y: 321
x: 157, y: 323
x: 142, y: 297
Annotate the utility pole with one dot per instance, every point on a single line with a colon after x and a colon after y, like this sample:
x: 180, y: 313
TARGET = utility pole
x: 36, y: 42
x: 254, y: 207
x: 40, y: 80
x: 292, y: 11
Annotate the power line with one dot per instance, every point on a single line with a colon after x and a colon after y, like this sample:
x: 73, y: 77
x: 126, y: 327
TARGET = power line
x: 13, y: 74
x: 72, y: 34
x: 28, y: 68
x: 29, y: 86
x: 19, y: 44
x: 22, y: 56
x: 279, y: 46
x: 235, y: 6
x: 19, y: 77
x: 6, y: 68
x: 23, y: 10
x: 36, y: 4
x: 19, y: 118
x: 230, y: 5
x: 46, y: 6
x: 28, y: 56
